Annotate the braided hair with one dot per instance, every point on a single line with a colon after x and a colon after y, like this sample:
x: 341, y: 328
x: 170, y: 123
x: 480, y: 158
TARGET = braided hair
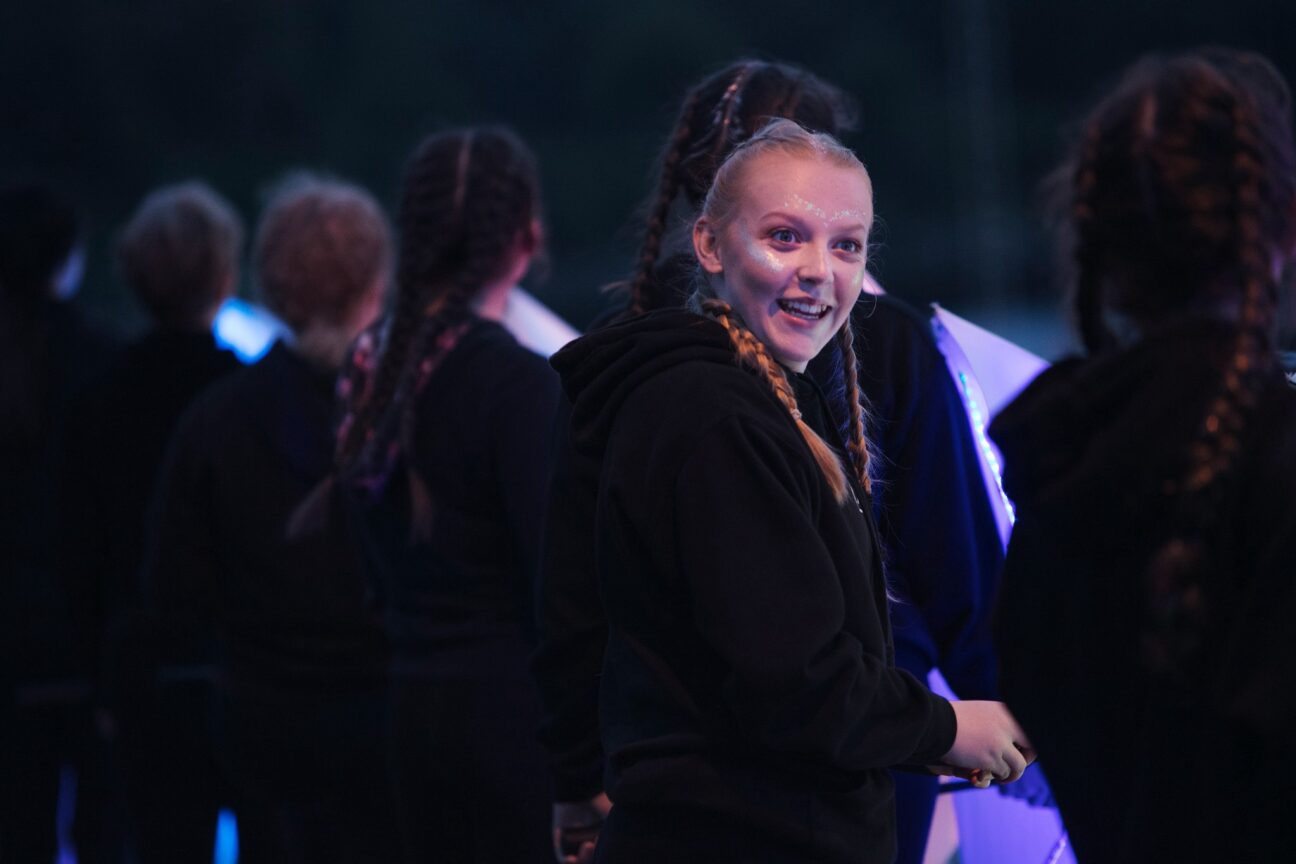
x: 468, y: 199
x: 785, y: 136
x: 1183, y: 193
x: 720, y: 112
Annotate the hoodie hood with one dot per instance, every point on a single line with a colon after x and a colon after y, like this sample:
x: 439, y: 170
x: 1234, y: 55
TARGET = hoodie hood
x: 1115, y: 427
x: 601, y: 369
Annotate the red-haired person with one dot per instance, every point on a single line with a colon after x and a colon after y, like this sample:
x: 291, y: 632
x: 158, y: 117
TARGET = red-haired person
x: 301, y: 686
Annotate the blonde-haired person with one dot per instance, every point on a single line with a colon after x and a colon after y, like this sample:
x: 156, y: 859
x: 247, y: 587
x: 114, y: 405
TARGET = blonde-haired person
x: 750, y: 705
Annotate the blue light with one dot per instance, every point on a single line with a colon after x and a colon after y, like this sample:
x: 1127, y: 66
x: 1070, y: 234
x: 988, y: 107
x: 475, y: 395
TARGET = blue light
x: 987, y: 450
x: 226, y: 839
x: 246, y: 329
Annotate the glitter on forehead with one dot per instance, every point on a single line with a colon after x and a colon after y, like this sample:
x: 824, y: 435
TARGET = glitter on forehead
x: 799, y: 203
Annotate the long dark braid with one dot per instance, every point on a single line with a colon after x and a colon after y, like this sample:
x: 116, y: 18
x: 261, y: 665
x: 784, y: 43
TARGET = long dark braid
x: 468, y: 198
x: 1218, y: 445
x: 1088, y: 288
x: 719, y: 113
x: 1184, y: 190
x: 667, y: 188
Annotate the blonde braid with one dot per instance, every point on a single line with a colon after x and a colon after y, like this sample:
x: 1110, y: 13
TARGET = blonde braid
x: 858, y: 442
x: 753, y: 355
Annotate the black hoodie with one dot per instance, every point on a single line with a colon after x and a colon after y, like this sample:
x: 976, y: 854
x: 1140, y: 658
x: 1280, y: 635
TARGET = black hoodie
x: 749, y: 671
x: 1151, y: 767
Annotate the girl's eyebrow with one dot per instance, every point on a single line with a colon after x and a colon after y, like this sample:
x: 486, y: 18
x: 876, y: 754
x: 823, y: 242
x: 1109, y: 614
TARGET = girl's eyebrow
x: 799, y: 221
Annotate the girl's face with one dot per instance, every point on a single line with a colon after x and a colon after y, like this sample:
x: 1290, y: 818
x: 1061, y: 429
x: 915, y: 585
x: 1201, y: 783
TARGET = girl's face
x: 790, y: 258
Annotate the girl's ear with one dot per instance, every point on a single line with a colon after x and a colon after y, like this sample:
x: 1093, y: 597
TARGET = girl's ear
x: 706, y: 245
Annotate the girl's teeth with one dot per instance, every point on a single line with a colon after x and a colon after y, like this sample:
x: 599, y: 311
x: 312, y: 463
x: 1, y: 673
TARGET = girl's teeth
x: 804, y: 310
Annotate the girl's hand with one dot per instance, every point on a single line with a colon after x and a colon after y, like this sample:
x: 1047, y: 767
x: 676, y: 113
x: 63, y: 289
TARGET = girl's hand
x: 989, y: 741
x: 576, y: 826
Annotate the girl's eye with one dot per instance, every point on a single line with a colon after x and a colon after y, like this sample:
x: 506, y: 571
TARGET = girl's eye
x: 783, y: 235
x: 852, y: 246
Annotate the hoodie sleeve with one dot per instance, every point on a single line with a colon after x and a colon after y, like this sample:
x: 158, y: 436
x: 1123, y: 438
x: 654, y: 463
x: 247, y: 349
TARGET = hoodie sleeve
x: 768, y: 599
x: 571, y: 621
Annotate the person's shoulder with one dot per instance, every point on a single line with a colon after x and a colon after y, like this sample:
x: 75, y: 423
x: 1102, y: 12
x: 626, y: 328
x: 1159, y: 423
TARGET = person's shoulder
x: 697, y: 394
x: 886, y: 320
x: 228, y: 402
x: 482, y: 336
x: 490, y: 346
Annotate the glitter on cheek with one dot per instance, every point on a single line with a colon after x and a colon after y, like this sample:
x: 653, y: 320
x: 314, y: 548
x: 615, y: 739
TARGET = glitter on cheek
x: 763, y: 257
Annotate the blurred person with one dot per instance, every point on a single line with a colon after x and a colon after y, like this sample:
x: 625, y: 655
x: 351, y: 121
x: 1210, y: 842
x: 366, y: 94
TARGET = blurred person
x: 749, y: 702
x: 1147, y: 597
x: 301, y: 683
x: 49, y: 355
x: 441, y: 453
x: 943, y: 551
x: 179, y: 255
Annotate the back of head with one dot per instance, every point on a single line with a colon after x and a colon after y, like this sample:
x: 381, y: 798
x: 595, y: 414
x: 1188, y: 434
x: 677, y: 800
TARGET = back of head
x: 179, y: 253
x: 719, y: 113
x: 467, y: 198
x: 322, y: 252
x: 38, y: 232
x: 1183, y: 190
x: 1184, y: 203
x: 469, y: 205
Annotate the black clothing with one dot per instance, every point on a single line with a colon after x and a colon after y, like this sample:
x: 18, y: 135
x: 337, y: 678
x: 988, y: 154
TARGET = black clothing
x: 1152, y: 767
x: 49, y: 356
x: 116, y: 440
x: 49, y: 359
x: 942, y: 546
x: 116, y: 444
x: 572, y: 624
x: 301, y: 653
x: 749, y: 669
x: 943, y: 552
x: 289, y: 614
x: 459, y: 604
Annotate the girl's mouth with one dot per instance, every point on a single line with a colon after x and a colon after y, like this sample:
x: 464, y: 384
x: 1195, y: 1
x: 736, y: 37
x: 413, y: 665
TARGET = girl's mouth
x: 804, y: 309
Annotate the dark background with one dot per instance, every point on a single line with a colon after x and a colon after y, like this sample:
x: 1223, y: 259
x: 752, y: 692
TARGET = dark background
x: 964, y: 107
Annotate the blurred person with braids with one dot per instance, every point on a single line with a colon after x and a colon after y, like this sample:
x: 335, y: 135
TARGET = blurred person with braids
x: 441, y: 451
x: 300, y: 716
x: 750, y: 706
x: 943, y: 577
x: 49, y: 356
x: 1148, y: 595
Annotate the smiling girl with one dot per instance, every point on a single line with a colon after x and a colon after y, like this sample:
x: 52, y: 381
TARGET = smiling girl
x: 750, y: 704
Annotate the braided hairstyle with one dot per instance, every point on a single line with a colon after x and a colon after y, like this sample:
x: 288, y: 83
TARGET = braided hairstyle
x: 1183, y: 196
x: 720, y: 112
x: 467, y: 206
x: 786, y: 137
